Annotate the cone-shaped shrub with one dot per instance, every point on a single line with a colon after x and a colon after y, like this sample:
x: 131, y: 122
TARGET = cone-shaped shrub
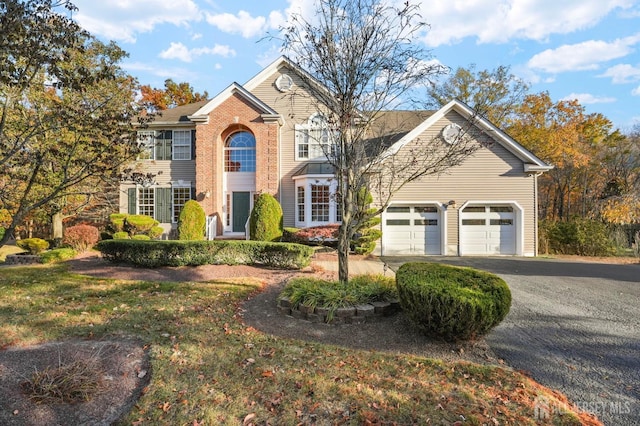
x: 451, y: 302
x: 191, y: 222
x: 266, y: 221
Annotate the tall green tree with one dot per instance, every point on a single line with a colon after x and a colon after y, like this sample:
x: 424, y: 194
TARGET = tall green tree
x: 66, y: 109
x: 360, y: 60
x: 494, y: 94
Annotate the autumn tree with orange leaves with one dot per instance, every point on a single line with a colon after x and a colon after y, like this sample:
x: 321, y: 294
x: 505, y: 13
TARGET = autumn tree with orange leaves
x: 173, y: 95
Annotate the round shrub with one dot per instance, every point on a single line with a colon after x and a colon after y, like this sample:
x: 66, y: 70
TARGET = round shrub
x: 191, y: 222
x: 81, y: 237
x: 266, y: 220
x: 116, y: 222
x: 155, y: 232
x: 33, y: 245
x: 121, y: 236
x: 136, y: 224
x: 450, y: 302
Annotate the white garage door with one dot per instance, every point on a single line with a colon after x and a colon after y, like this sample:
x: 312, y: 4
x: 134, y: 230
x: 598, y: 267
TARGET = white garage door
x: 414, y: 229
x: 488, y: 230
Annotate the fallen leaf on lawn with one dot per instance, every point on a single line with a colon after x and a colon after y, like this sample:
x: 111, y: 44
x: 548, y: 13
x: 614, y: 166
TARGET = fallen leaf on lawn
x: 267, y: 373
x: 248, y: 418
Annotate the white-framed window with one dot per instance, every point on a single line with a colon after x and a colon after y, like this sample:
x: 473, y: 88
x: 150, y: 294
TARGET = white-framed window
x: 146, y: 201
x: 314, y: 139
x: 315, y: 202
x: 182, y: 144
x: 320, y: 203
x: 300, y: 203
x: 180, y: 194
x: 146, y: 141
x: 165, y: 144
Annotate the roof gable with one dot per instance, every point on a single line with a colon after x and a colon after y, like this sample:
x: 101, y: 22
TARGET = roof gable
x: 202, y: 114
x: 527, y: 157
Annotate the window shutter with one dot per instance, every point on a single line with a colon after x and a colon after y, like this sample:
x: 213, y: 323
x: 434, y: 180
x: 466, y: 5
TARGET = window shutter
x: 193, y: 192
x: 193, y: 144
x: 163, y: 205
x: 131, y: 200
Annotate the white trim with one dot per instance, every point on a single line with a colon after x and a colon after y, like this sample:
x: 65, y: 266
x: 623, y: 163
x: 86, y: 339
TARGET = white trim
x: 202, y: 115
x: 442, y: 212
x: 519, y: 218
x: 307, y: 181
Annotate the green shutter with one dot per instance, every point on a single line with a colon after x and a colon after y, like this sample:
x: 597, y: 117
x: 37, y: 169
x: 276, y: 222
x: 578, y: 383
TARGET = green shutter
x: 163, y: 205
x: 131, y: 200
x: 193, y: 145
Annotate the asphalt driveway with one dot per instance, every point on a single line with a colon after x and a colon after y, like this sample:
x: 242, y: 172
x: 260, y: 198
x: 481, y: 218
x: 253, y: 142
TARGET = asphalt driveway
x: 573, y: 326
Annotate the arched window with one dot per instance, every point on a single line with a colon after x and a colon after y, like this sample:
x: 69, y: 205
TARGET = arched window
x: 240, y: 152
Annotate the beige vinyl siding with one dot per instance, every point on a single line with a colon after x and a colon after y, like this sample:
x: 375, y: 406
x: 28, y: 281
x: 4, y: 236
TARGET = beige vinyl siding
x: 295, y: 107
x: 491, y: 174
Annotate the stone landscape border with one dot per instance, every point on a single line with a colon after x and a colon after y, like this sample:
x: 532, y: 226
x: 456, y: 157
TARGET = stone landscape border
x: 358, y: 314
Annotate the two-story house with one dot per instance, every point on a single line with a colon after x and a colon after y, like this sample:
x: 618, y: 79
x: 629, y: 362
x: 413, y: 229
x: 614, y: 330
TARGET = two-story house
x: 251, y: 138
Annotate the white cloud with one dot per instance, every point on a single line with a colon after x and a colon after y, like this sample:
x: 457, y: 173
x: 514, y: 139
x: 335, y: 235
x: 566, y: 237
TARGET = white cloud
x: 588, y: 99
x: 177, y: 74
x: 622, y: 73
x: 183, y: 53
x: 196, y: 36
x: 636, y: 91
x: 587, y: 55
x: 491, y: 21
x: 122, y: 20
x: 243, y: 23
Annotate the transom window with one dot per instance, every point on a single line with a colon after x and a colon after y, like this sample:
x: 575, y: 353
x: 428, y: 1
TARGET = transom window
x: 313, y: 139
x: 240, y: 153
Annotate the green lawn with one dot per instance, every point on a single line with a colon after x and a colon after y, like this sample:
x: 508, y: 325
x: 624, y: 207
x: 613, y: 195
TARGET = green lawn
x: 208, y: 368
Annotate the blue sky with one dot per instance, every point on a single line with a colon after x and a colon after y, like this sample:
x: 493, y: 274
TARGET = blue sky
x: 582, y: 49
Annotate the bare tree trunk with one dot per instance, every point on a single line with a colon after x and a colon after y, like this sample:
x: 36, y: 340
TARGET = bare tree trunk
x: 56, y: 226
x: 343, y: 256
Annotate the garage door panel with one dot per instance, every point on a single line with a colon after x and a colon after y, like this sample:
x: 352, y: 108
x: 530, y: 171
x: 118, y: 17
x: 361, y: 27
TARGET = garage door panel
x: 487, y: 230
x: 412, y: 229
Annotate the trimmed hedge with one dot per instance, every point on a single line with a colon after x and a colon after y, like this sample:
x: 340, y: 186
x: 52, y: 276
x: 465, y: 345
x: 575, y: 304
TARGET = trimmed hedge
x: 450, y: 302
x: 152, y: 254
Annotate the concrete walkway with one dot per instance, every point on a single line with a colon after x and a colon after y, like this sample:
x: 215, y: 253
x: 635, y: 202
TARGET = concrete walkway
x: 357, y: 266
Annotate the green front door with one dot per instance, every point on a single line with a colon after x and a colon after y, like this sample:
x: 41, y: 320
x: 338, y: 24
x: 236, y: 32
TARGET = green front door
x: 241, y: 207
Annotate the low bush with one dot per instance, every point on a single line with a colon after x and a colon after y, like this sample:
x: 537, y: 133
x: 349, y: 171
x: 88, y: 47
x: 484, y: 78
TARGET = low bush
x: 362, y: 289
x: 324, y: 234
x: 81, y: 237
x: 33, y: 245
x: 116, y: 222
x: 192, y: 222
x: 121, y: 236
x: 2, y: 231
x: 58, y: 255
x: 193, y: 253
x: 584, y: 237
x: 290, y: 235
x: 451, y: 302
x: 141, y: 237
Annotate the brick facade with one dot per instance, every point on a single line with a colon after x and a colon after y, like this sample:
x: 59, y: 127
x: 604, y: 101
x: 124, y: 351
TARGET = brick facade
x: 233, y: 114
